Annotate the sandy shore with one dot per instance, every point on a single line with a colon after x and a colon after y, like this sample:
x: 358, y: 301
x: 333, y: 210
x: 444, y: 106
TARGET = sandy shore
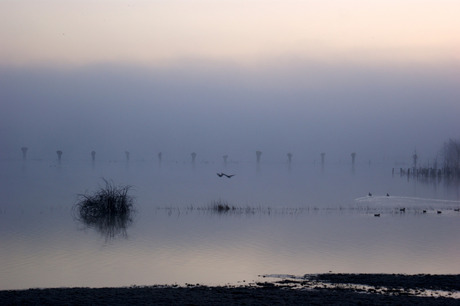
x: 342, y: 289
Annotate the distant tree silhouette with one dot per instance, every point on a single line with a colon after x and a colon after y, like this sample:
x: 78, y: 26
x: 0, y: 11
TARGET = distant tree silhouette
x: 127, y: 155
x: 414, y: 159
x: 323, y: 155
x: 289, y: 155
x: 451, y: 154
x: 258, y: 155
x: 24, y: 153
x: 353, y: 156
x: 93, y: 155
x: 160, y: 155
x: 59, y: 154
x: 193, y: 157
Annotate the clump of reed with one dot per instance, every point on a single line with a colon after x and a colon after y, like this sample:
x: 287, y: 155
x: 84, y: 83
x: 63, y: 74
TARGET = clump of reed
x: 109, y: 209
x: 110, y: 200
x: 221, y: 206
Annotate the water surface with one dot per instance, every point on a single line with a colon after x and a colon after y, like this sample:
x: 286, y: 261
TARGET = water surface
x: 295, y: 219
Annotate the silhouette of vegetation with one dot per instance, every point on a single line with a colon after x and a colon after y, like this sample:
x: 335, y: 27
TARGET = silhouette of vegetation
x: 451, y: 154
x: 221, y: 206
x: 414, y: 159
x: 450, y: 171
x: 109, y: 210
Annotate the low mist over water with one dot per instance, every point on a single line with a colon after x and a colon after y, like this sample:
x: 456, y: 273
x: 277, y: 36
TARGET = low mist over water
x: 383, y: 114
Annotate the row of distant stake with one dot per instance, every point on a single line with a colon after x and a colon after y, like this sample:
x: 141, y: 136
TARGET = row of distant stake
x: 193, y: 155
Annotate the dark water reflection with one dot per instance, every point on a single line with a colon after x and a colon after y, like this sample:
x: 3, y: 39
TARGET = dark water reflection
x: 109, y: 226
x: 293, y: 219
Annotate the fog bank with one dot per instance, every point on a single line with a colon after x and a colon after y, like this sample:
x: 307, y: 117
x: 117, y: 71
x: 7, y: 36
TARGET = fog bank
x: 382, y: 112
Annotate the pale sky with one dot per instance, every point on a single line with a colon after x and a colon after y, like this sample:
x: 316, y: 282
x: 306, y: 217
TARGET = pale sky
x: 86, y: 32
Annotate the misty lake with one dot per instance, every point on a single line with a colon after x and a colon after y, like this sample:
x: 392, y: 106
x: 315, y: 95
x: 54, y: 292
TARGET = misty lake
x: 295, y: 219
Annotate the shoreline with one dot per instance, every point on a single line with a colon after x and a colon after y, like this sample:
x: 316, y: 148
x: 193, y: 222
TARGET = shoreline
x: 330, y: 288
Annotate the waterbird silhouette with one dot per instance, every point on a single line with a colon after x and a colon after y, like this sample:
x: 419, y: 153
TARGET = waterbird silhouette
x: 388, y: 194
x: 439, y: 211
x: 376, y: 215
x: 223, y: 174
x: 370, y: 194
x: 402, y: 209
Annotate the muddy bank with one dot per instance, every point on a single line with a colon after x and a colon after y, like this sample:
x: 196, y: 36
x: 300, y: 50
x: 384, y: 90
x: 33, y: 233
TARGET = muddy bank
x: 394, y: 281
x: 310, y: 289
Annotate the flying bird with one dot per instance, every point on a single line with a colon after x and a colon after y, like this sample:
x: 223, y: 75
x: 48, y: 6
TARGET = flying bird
x: 223, y: 174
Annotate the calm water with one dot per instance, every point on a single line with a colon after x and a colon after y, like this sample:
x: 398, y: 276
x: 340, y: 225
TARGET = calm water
x: 302, y: 219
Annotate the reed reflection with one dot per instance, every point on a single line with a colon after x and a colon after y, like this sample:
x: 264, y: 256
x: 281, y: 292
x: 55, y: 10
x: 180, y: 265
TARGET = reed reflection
x: 110, y: 226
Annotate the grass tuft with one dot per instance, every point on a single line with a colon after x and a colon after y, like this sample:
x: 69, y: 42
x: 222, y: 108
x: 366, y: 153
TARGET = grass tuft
x: 108, y: 210
x: 221, y: 206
